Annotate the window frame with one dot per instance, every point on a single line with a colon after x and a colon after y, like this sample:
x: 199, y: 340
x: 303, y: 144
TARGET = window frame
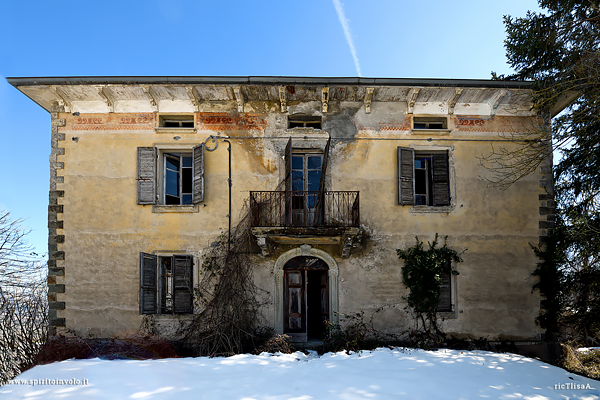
x: 180, y: 181
x: 176, y: 118
x: 430, y: 120
x: 290, y: 149
x: 151, y: 176
x: 405, y: 181
x: 302, y: 121
x: 152, y: 288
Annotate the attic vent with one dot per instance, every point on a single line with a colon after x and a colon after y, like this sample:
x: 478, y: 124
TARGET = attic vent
x: 304, y: 121
x: 176, y: 121
x: 430, y: 123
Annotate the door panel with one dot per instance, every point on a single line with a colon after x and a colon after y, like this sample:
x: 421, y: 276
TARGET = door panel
x: 295, y: 302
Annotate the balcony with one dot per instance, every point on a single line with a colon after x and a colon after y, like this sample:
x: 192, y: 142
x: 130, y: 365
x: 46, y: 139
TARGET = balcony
x: 303, y: 217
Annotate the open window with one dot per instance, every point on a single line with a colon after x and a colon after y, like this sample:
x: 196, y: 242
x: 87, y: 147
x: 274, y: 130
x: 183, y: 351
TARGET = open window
x: 423, y: 178
x: 176, y: 121
x: 305, y: 185
x: 170, y: 177
x: 166, y: 285
x: 304, y: 121
x: 430, y: 123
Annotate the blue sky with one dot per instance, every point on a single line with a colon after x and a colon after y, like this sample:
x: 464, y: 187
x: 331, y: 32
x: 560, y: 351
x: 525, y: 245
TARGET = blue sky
x: 379, y: 38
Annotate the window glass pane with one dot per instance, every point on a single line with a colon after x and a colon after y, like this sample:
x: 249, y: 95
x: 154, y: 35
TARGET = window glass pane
x: 420, y: 125
x: 171, y: 200
x: 297, y: 180
x: 419, y: 163
x: 172, y: 183
x: 186, y: 199
x: 420, y: 181
x: 436, y: 125
x: 297, y: 202
x: 297, y: 162
x: 186, y: 162
x: 420, y: 200
x: 313, y: 180
x: 172, y: 163
x: 186, y: 180
x: 312, y: 200
x: 314, y: 162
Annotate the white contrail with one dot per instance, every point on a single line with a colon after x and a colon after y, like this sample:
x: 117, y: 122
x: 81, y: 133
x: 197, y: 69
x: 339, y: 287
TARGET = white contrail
x: 346, y: 28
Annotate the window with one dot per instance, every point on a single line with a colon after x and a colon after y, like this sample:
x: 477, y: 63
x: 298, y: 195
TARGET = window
x: 430, y: 123
x: 177, y: 181
x: 176, y: 121
x: 181, y: 178
x: 304, y: 121
x: 423, y: 178
x: 166, y: 284
x: 305, y: 184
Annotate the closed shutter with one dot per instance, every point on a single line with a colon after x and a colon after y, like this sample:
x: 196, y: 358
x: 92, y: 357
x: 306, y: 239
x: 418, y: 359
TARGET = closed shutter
x: 148, y: 283
x: 146, y: 175
x: 182, y: 284
x: 441, y: 186
x: 445, y: 303
x: 406, y: 172
x: 198, y: 181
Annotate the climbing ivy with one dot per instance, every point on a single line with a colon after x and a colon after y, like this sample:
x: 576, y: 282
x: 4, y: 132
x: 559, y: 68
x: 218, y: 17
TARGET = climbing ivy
x: 422, y: 274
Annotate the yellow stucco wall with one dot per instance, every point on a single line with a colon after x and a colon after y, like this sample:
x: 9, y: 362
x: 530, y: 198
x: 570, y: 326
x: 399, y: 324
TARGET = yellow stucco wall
x: 105, y: 230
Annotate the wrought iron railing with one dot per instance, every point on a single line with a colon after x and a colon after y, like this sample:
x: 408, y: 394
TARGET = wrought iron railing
x: 304, y: 209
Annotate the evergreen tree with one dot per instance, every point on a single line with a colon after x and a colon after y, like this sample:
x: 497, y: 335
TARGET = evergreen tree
x: 559, y: 49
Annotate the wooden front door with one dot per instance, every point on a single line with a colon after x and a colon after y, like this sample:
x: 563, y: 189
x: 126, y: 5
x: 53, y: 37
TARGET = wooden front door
x: 306, y: 295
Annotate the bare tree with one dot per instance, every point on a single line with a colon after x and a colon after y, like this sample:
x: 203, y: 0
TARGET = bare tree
x: 23, y: 300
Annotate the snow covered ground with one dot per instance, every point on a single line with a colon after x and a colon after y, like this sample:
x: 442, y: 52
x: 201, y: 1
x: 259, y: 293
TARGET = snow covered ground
x: 378, y: 374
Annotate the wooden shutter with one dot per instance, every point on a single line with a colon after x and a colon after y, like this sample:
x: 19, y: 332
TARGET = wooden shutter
x: 320, y: 211
x: 288, y: 166
x: 148, y: 283
x: 198, y: 180
x: 441, y: 186
x: 146, y: 175
x: 182, y: 284
x: 406, y: 173
x: 288, y: 183
x: 445, y: 303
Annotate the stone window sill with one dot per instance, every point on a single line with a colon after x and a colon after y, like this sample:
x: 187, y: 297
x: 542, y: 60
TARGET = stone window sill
x: 431, y: 209
x: 176, y: 209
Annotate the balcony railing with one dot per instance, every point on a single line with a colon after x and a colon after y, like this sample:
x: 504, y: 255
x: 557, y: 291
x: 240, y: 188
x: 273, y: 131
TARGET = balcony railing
x: 304, y: 209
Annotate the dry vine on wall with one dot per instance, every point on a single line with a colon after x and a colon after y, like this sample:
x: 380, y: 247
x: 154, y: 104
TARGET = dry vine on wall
x: 227, y: 300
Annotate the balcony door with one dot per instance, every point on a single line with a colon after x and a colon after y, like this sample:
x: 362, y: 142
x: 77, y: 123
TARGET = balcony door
x: 306, y: 298
x: 306, y: 178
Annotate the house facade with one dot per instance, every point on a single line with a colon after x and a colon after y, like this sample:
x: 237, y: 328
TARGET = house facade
x: 335, y: 173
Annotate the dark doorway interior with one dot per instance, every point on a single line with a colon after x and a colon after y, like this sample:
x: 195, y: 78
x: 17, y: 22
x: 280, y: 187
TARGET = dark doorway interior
x: 317, y: 310
x: 306, y: 298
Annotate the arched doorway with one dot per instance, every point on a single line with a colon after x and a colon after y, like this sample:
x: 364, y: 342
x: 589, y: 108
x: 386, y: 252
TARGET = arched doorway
x: 326, y: 275
x: 306, y: 298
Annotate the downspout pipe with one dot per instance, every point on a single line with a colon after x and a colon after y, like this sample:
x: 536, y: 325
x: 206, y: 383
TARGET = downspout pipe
x: 216, y: 139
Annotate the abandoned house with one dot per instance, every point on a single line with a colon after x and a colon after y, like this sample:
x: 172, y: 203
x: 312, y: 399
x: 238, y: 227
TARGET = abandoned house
x: 338, y: 173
